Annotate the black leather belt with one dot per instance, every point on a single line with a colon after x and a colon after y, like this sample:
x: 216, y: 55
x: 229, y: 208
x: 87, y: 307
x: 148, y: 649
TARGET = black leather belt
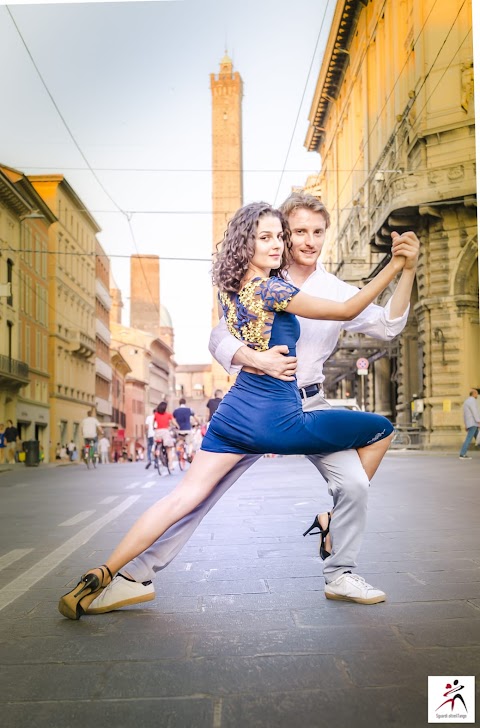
x: 310, y: 391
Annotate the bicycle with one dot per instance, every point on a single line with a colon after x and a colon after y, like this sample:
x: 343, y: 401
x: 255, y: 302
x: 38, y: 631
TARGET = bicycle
x: 401, y: 440
x: 160, y: 456
x: 90, y: 454
x: 181, y: 451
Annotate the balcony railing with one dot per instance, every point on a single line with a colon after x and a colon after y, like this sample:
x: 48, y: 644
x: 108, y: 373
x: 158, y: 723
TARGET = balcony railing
x: 13, y: 373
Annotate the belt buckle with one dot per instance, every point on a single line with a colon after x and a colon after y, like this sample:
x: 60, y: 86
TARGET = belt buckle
x: 305, y: 394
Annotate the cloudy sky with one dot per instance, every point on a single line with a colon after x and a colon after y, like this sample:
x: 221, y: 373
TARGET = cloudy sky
x: 123, y: 89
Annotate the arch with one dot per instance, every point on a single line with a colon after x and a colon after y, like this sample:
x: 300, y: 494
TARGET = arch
x: 463, y: 280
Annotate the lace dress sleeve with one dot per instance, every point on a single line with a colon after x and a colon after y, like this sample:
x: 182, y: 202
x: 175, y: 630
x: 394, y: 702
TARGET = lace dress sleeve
x: 276, y: 293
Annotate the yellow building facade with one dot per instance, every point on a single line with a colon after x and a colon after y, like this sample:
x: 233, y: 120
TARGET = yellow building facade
x: 14, y: 370
x: 103, y: 365
x: 393, y: 121
x: 72, y: 327
x: 30, y: 283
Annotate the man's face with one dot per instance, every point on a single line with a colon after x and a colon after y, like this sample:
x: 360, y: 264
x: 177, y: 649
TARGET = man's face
x: 307, y: 235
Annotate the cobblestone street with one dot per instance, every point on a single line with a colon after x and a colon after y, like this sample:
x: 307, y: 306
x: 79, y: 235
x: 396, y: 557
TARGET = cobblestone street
x: 240, y: 633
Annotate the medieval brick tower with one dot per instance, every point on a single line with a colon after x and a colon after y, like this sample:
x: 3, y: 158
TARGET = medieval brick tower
x: 227, y: 169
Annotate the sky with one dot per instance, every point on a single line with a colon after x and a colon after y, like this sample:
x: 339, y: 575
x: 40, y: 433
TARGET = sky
x: 125, y: 93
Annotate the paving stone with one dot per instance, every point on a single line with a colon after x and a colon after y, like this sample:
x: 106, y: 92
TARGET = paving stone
x: 114, y: 643
x: 323, y: 640
x: 454, y: 576
x: 264, y: 602
x: 161, y: 713
x: 213, y: 588
x: 396, y: 707
x: 408, y: 668
x: 337, y: 613
x: 445, y: 633
x: 221, y: 676
x: 52, y: 681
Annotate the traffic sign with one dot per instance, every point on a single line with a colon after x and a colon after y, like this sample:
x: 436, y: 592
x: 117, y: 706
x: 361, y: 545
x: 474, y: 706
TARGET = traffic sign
x: 362, y: 372
x: 362, y: 363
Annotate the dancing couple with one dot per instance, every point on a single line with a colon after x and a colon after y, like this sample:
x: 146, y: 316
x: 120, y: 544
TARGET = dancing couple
x: 265, y: 272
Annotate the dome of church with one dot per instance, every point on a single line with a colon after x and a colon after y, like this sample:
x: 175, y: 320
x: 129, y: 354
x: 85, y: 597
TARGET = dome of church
x: 165, y: 318
x: 226, y: 59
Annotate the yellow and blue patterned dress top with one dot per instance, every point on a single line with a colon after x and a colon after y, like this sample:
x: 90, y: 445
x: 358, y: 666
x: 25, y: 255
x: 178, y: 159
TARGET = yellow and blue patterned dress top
x: 250, y: 313
x: 262, y: 414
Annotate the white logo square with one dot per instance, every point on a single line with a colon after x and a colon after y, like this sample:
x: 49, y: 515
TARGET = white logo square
x: 451, y: 699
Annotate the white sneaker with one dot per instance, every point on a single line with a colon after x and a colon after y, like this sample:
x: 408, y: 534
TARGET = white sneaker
x: 120, y: 593
x: 353, y: 588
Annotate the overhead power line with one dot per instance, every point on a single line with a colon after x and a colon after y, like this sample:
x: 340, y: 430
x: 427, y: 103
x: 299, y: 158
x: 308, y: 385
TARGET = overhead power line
x: 126, y: 214
x: 301, y: 102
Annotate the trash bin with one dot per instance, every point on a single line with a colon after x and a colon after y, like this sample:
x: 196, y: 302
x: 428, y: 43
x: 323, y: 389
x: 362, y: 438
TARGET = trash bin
x: 32, y: 452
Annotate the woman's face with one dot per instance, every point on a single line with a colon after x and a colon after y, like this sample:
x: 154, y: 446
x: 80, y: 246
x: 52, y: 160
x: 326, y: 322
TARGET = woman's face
x: 269, y: 244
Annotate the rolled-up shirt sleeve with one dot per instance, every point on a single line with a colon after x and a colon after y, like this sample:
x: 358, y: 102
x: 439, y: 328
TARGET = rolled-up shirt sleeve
x: 223, y: 347
x: 376, y: 321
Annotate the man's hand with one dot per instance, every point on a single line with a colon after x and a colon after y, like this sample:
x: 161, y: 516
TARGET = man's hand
x: 274, y: 361
x: 407, y: 245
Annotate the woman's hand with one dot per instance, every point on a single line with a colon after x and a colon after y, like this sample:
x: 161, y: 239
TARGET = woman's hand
x: 397, y: 262
x: 407, y: 246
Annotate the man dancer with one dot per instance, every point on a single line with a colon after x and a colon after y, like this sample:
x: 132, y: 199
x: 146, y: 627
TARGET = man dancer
x: 348, y: 482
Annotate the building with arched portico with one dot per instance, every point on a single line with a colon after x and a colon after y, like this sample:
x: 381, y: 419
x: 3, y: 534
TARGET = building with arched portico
x: 393, y: 121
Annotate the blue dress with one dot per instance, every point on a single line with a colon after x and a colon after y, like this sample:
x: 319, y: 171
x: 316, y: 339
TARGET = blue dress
x: 261, y: 414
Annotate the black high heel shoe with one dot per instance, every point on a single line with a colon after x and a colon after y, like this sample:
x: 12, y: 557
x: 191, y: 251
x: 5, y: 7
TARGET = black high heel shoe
x: 69, y: 605
x: 324, y: 554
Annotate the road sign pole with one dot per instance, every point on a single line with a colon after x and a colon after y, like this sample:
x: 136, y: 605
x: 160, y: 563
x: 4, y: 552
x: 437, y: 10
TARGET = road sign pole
x: 362, y: 380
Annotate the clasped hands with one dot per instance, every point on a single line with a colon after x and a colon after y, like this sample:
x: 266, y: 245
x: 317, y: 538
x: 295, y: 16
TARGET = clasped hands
x: 405, y: 250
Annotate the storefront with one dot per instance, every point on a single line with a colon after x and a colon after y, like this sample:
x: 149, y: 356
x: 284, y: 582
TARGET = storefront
x: 33, y: 424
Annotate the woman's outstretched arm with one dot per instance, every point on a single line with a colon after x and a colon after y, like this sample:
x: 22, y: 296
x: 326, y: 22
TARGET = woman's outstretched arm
x: 322, y: 308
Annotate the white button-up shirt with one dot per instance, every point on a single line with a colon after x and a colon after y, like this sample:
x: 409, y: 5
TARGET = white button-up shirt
x: 318, y: 338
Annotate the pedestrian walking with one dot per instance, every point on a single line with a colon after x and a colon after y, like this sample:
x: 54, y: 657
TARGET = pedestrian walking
x: 19, y: 450
x: 348, y: 481
x: 471, y: 418
x: 149, y: 432
x: 260, y: 413
x: 3, y: 443
x: 104, y: 448
x: 11, y: 434
x: 70, y: 449
x: 212, y: 404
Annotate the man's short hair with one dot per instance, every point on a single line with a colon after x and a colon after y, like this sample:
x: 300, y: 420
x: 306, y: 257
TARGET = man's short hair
x: 89, y: 413
x: 299, y: 201
x: 183, y: 401
x: 473, y: 390
x: 218, y: 393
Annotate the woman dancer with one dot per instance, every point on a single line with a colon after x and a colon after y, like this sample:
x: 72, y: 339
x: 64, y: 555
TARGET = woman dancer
x: 260, y: 414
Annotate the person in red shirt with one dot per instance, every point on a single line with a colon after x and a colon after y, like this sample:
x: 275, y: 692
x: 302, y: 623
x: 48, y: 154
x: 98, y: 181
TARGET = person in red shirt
x: 162, y: 422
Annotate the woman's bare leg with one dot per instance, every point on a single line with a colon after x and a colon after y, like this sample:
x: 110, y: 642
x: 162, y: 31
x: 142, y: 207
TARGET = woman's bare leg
x: 371, y: 456
x: 198, y: 482
x: 206, y: 471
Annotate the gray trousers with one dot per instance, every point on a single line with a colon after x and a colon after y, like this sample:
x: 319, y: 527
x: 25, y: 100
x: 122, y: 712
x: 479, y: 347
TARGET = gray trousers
x: 347, y: 484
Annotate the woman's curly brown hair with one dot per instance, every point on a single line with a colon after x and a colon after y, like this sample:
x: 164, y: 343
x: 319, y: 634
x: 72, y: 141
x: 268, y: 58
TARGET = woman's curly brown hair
x: 238, y: 246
